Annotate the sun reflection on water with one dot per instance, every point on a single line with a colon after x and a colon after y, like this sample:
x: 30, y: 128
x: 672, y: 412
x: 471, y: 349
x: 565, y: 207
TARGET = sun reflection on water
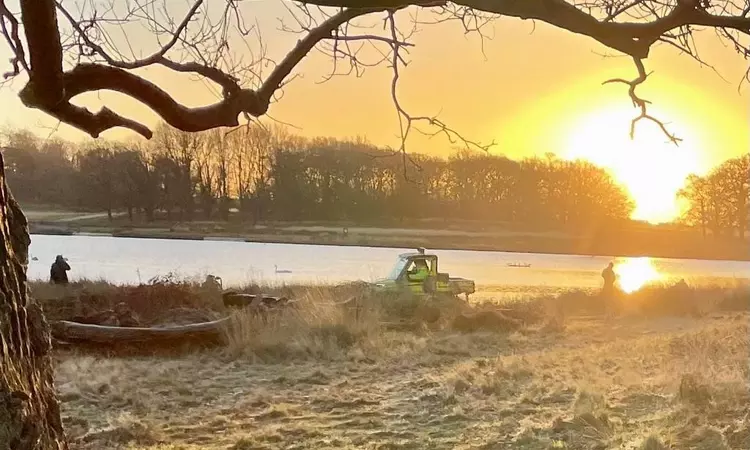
x: 634, y: 273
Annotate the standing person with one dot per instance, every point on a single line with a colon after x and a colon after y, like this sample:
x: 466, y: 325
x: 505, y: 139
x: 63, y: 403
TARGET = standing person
x: 608, y: 289
x: 609, y: 276
x: 420, y: 271
x: 58, y: 273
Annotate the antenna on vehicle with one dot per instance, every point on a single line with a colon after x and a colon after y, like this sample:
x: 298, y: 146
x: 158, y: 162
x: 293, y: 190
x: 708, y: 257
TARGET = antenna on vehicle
x: 421, y: 250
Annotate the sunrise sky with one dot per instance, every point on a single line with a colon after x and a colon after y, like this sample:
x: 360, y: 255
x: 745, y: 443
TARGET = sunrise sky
x: 539, y: 90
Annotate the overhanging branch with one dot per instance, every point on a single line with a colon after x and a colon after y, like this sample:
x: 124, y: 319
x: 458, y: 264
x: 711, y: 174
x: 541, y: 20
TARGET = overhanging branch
x: 632, y: 38
x: 90, y: 77
x: 51, y: 89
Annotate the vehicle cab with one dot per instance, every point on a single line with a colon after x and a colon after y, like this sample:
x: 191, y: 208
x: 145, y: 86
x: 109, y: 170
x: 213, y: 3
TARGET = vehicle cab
x: 416, y: 272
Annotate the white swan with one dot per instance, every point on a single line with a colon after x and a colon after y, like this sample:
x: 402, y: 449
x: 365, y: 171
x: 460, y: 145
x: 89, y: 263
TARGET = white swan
x: 281, y: 271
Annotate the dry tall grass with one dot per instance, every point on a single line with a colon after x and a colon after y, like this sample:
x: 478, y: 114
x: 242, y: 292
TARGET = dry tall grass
x: 313, y: 327
x: 662, y: 368
x: 324, y: 321
x: 659, y: 383
x: 159, y: 297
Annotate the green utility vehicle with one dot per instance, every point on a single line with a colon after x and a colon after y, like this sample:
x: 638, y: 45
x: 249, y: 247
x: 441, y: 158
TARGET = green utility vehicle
x: 418, y: 274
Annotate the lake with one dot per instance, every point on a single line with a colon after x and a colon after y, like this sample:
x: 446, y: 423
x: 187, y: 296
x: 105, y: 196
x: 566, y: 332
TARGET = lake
x: 133, y: 261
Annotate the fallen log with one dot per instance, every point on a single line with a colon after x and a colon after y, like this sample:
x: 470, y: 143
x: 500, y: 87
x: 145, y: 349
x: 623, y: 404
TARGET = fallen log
x: 207, y: 333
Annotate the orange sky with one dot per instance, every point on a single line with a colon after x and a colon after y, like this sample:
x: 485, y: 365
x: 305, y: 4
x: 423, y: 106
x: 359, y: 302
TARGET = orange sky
x: 539, y: 90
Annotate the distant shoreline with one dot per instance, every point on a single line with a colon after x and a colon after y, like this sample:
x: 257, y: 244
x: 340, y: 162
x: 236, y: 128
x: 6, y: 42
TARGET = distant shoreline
x: 562, y: 247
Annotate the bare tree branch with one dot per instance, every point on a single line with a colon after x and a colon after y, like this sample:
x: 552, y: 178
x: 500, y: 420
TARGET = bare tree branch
x: 81, y: 54
x: 642, y: 103
x: 14, y: 41
x: 406, y: 121
x: 153, y: 59
x: 87, y: 77
x: 632, y: 38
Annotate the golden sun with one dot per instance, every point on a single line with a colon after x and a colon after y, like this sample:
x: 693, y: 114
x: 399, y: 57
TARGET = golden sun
x: 634, y: 273
x: 651, y: 168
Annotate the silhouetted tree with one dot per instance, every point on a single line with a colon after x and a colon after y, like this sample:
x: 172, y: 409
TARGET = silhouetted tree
x: 97, y: 182
x: 182, y: 150
x: 334, y: 183
x: 134, y: 180
x: 718, y: 202
x: 735, y: 180
x: 218, y: 147
x: 40, y: 171
x: 270, y: 172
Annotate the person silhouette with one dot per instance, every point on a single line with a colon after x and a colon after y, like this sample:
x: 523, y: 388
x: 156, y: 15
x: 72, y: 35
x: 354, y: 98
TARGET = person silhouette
x: 608, y: 290
x: 609, y: 276
x: 58, y: 273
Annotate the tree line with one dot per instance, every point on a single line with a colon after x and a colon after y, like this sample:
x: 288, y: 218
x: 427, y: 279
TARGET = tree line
x: 718, y: 202
x: 267, y: 173
x: 257, y: 173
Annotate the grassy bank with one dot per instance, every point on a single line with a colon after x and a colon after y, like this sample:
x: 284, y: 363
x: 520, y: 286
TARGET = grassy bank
x: 667, y: 370
x: 646, y: 385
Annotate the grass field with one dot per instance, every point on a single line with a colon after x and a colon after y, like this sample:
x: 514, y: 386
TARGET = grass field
x: 668, y: 370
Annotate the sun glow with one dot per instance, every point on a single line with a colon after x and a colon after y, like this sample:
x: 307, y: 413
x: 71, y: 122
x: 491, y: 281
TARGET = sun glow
x: 650, y: 167
x: 634, y: 273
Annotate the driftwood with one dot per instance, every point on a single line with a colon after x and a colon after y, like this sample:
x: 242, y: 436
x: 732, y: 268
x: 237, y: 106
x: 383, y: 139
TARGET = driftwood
x: 207, y: 333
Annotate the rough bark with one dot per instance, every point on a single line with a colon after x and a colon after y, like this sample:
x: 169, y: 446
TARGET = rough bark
x: 29, y: 410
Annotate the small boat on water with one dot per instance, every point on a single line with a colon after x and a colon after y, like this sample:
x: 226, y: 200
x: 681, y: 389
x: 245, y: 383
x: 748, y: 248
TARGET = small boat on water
x: 519, y: 265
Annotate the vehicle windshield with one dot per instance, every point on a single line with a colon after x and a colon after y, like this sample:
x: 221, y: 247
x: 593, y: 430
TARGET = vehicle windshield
x: 396, y: 271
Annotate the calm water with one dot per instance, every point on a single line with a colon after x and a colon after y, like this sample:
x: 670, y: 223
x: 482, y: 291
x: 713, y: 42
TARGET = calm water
x: 125, y: 260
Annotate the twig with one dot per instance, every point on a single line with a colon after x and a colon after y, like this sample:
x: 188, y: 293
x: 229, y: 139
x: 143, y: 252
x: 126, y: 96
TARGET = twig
x: 14, y: 42
x: 642, y: 103
x: 406, y: 121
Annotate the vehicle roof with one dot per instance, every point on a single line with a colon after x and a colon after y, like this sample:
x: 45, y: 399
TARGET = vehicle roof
x: 413, y: 254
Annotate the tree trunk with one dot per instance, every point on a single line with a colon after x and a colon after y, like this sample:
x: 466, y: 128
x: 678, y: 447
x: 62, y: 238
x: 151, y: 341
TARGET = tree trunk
x: 29, y: 410
x: 224, y: 208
